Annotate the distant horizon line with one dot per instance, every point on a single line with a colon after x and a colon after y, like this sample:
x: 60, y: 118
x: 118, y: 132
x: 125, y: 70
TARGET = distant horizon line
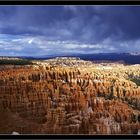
x: 132, y: 53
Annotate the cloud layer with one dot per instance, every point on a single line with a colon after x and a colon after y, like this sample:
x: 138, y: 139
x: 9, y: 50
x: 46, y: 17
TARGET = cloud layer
x: 46, y: 30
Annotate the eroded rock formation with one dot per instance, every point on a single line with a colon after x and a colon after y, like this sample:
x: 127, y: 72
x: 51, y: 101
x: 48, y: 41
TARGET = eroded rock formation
x: 82, y: 98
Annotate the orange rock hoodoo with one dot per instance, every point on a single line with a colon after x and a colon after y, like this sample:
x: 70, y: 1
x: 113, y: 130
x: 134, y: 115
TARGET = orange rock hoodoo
x: 68, y: 100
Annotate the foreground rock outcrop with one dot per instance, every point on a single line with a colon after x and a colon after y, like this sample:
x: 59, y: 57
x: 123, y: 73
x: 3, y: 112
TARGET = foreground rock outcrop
x: 80, y: 98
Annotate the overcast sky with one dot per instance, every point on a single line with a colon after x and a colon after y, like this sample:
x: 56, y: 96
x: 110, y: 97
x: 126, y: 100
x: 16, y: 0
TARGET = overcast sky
x: 46, y: 30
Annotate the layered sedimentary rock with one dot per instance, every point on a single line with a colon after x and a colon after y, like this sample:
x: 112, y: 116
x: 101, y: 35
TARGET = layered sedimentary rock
x: 80, y: 98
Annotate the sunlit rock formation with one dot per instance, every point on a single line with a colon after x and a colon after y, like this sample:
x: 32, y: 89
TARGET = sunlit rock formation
x: 70, y: 96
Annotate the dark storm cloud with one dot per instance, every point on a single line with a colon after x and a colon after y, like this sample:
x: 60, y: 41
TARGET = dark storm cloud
x: 32, y: 19
x: 93, y: 28
x: 123, y: 21
x: 91, y: 23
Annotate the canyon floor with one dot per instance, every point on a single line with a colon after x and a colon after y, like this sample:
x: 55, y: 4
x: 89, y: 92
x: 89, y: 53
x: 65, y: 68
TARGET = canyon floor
x: 68, y: 95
